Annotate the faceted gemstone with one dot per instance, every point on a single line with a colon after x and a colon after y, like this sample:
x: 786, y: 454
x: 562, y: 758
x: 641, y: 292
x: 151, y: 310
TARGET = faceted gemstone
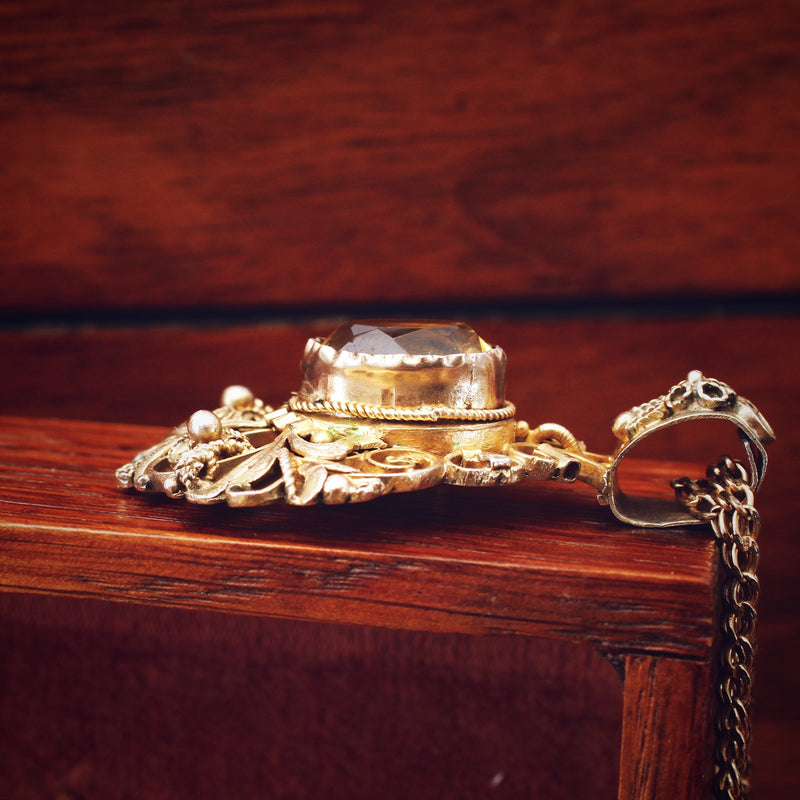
x: 417, y: 338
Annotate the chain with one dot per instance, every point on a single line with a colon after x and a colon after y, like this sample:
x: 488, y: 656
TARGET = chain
x: 725, y: 498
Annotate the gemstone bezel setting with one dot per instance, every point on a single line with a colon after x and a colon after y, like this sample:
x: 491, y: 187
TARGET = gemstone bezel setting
x: 472, y: 378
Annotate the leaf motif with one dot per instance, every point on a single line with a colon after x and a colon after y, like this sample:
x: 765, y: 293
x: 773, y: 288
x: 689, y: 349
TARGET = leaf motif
x: 314, y: 479
x: 330, y: 451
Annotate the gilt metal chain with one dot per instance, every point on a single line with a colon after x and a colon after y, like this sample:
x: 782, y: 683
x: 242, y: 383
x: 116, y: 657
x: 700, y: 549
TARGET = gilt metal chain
x: 725, y: 498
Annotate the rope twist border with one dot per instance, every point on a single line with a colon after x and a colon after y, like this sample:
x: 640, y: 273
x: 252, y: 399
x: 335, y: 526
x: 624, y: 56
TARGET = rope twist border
x: 403, y: 414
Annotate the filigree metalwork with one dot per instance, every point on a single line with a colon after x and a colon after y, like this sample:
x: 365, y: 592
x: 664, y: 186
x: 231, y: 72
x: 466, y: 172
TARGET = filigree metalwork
x: 367, y: 424
x: 305, y: 458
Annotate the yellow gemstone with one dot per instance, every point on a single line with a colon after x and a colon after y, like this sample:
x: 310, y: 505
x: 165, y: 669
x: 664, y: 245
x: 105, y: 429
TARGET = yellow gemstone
x: 416, y: 338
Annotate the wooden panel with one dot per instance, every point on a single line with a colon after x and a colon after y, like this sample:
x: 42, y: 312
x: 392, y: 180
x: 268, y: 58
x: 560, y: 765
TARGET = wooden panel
x: 175, y: 704
x: 528, y: 559
x: 185, y: 155
x: 668, y: 731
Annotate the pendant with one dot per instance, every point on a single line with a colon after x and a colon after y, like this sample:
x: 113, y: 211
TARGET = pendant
x: 396, y: 406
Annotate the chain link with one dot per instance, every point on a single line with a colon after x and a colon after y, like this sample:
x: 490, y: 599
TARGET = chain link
x: 725, y: 498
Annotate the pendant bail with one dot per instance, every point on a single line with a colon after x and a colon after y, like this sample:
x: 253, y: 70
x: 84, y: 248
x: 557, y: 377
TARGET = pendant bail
x: 696, y: 398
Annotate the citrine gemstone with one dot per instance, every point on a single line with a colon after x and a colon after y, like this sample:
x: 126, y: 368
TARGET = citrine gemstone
x: 417, y: 338
x: 404, y: 364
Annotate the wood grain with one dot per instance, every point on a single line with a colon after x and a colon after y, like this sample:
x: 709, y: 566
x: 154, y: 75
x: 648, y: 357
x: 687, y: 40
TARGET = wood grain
x: 668, y: 730
x: 175, y: 704
x: 528, y: 560
x: 536, y: 563
x: 241, y: 155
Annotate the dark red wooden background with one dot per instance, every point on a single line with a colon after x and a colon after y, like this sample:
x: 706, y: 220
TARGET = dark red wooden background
x: 610, y: 191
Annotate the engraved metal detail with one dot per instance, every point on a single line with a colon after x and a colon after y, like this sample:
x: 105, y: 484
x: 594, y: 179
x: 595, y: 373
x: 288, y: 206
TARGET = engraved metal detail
x: 440, y: 416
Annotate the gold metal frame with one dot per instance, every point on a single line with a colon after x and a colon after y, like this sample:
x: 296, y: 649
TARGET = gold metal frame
x: 367, y: 424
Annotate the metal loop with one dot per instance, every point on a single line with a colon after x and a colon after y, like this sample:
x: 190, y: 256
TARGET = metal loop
x: 695, y: 399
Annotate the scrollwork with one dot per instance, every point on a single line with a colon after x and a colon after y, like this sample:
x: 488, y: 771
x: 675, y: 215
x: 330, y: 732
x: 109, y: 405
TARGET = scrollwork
x: 695, y: 393
x: 247, y: 454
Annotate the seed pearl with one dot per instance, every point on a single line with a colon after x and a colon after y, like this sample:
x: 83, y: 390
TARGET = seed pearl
x: 237, y: 397
x: 204, y: 426
x: 336, y: 488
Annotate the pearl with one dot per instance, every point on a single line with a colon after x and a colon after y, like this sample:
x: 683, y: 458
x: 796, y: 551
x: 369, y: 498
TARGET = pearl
x: 204, y: 426
x: 237, y: 397
x: 336, y: 488
x: 695, y: 376
x: 620, y: 426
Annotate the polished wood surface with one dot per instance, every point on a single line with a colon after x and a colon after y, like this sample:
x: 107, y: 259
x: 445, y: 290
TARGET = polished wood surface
x: 348, y: 151
x: 448, y: 559
x: 532, y: 560
x: 647, y: 767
